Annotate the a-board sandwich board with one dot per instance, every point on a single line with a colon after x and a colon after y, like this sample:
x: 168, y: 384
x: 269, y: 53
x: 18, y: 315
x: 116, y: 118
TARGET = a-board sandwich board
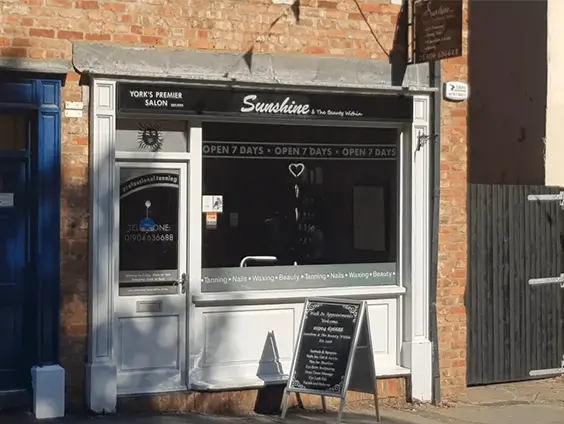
x: 333, y: 353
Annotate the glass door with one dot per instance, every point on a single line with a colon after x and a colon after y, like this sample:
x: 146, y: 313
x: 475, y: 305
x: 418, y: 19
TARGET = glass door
x: 151, y: 274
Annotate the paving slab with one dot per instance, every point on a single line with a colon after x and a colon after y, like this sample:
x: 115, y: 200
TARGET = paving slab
x: 509, y: 414
x: 535, y: 391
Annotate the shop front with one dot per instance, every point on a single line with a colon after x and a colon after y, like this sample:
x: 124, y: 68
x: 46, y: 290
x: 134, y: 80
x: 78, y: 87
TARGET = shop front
x: 218, y: 208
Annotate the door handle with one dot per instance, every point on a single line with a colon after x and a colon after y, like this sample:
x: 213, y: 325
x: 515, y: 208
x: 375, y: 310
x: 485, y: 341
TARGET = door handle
x: 182, y: 283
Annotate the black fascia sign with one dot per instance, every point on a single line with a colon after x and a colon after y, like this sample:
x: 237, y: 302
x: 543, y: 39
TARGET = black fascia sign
x: 187, y: 100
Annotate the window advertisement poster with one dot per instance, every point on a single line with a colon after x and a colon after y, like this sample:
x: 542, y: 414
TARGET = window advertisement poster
x: 148, y: 234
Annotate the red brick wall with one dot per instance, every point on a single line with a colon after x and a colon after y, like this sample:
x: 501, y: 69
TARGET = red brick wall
x: 451, y: 310
x: 45, y: 29
x: 74, y: 244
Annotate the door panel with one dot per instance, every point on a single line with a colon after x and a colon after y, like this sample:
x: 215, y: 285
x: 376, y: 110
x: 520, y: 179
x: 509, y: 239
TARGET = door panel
x: 150, y: 299
x: 13, y: 267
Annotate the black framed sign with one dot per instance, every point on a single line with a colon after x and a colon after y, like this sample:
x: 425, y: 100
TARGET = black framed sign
x: 326, y: 343
x: 154, y: 98
x: 334, y: 337
x: 438, y: 29
x: 148, y: 231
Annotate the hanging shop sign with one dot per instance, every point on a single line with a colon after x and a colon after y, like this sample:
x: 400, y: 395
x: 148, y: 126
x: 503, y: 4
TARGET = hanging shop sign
x: 438, y: 29
x: 143, y: 98
x: 148, y: 245
x: 291, y: 151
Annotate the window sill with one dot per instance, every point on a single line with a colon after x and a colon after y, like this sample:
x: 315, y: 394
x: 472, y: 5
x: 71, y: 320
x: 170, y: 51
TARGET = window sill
x: 294, y: 296
x: 245, y: 384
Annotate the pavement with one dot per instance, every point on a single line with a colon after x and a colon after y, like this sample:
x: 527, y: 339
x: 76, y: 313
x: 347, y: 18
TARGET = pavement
x: 532, y: 402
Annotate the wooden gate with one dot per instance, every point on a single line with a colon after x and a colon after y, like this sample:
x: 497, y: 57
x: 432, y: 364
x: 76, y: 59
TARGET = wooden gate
x: 513, y: 328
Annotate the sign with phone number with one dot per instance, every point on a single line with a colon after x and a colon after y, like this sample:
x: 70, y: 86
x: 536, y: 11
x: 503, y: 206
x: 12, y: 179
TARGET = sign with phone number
x: 438, y: 29
x: 148, y: 237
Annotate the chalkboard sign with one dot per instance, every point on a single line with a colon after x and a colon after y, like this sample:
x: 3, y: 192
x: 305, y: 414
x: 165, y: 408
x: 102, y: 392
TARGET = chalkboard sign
x: 334, y: 335
x: 438, y: 29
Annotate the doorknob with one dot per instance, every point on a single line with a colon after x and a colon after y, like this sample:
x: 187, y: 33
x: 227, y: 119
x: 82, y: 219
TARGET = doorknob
x: 182, y: 283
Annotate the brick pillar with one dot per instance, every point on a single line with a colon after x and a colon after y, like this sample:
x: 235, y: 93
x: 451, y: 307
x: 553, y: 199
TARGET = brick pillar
x: 451, y: 311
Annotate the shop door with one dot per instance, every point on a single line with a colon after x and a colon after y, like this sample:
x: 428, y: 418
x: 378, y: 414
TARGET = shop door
x: 151, y: 298
x: 14, y: 261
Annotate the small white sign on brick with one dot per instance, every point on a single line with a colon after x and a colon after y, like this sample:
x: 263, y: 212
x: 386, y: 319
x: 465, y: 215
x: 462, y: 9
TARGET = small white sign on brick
x: 456, y: 91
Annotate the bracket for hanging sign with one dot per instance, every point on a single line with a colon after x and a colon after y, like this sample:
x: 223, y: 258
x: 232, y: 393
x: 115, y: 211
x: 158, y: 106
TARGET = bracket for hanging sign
x: 547, y: 198
x: 333, y: 353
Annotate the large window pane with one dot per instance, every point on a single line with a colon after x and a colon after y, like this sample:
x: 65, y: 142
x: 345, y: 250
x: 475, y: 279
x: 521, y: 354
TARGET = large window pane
x: 289, y: 207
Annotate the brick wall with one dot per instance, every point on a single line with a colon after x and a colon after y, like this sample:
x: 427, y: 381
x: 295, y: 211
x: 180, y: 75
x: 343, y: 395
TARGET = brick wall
x: 74, y: 244
x: 46, y: 29
x: 451, y: 310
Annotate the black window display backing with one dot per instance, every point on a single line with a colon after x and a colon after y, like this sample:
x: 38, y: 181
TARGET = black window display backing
x: 298, y: 208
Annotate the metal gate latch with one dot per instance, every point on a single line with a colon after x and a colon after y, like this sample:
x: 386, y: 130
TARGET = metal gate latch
x: 547, y: 198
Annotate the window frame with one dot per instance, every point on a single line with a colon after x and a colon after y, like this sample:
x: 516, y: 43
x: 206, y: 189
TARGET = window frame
x: 403, y: 208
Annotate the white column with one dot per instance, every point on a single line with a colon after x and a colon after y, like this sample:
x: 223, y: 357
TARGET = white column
x: 101, y: 374
x: 417, y: 349
x: 196, y: 319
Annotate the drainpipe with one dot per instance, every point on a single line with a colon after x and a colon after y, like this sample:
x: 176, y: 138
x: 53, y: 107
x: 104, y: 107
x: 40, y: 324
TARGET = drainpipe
x: 435, y: 151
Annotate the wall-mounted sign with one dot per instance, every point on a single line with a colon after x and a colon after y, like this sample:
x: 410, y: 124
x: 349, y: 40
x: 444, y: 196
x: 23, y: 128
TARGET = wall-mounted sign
x: 143, y: 98
x: 73, y: 109
x: 438, y: 29
x: 148, y: 242
x: 301, y: 151
x: 456, y: 91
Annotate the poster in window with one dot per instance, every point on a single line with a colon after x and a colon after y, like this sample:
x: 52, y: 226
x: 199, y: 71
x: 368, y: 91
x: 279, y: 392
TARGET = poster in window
x: 148, y: 216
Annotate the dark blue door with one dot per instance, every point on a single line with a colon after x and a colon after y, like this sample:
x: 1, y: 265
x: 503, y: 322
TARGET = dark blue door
x: 14, y: 256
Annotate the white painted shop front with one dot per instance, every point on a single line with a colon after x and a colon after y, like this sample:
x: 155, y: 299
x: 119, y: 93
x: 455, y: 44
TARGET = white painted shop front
x: 211, y: 225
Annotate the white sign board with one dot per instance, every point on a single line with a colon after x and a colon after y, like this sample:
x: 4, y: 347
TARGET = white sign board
x: 212, y: 203
x: 74, y: 105
x: 456, y: 91
x: 73, y: 113
x: 6, y: 200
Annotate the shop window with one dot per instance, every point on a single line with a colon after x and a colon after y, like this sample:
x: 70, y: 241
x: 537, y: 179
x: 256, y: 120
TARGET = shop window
x: 290, y: 207
x: 148, y: 135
